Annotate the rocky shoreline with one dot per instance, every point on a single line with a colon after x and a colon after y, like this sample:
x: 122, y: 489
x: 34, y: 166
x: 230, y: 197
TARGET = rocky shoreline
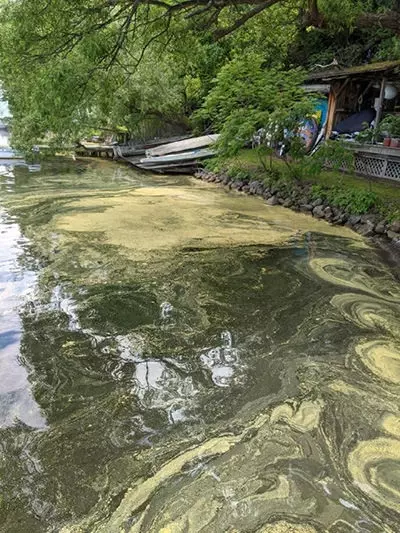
x: 299, y: 199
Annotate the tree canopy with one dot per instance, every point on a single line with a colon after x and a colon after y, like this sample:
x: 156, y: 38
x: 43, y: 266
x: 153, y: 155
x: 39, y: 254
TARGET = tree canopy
x: 67, y: 66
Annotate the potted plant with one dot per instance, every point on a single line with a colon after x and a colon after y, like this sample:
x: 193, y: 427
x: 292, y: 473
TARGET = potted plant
x: 390, y: 127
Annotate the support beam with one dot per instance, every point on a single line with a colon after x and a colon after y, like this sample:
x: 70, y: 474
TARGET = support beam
x: 380, y: 104
x: 342, y: 88
x: 331, y: 112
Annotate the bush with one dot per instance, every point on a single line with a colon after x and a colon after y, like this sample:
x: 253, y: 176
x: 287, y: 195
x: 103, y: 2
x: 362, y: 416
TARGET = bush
x: 247, y: 96
x: 350, y: 199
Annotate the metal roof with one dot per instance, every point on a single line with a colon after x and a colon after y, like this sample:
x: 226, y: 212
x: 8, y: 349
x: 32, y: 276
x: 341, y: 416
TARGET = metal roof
x: 390, y: 67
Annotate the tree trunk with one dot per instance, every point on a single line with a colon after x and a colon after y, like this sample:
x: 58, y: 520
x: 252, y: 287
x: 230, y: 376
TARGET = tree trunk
x: 314, y: 17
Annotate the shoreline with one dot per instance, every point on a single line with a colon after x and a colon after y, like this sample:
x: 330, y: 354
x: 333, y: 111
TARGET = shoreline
x: 382, y: 233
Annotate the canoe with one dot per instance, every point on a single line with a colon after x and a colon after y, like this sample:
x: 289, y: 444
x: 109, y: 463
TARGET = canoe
x: 178, y: 158
x: 132, y: 150
x: 184, y: 159
x: 182, y: 163
x: 194, y: 143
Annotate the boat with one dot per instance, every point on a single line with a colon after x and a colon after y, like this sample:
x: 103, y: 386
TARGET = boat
x: 183, y: 156
x: 186, y: 145
x: 175, y: 162
x: 6, y: 152
x: 122, y: 151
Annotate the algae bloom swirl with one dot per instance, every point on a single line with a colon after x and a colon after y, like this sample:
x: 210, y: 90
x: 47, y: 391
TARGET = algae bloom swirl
x: 374, y: 464
x: 178, y: 358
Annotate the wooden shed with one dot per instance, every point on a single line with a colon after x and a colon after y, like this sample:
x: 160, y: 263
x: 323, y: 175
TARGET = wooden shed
x: 373, y: 87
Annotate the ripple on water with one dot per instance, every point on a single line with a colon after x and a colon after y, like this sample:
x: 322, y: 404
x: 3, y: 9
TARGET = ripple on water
x: 159, y: 386
x: 223, y: 362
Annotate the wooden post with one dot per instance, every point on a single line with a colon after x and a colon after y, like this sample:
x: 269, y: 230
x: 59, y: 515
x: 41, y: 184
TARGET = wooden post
x: 380, y: 104
x: 331, y: 112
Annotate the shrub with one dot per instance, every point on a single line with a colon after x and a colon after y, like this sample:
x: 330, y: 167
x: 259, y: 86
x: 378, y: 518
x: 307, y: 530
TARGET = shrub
x: 247, y: 96
x: 352, y: 200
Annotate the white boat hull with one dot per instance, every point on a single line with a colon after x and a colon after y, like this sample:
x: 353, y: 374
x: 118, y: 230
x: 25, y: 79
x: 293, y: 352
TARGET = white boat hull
x: 187, y: 145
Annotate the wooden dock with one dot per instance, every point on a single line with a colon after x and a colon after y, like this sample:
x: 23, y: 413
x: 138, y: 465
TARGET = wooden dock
x: 95, y: 150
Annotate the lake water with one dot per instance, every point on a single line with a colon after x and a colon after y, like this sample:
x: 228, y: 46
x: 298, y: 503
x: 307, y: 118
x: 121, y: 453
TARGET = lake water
x: 178, y: 358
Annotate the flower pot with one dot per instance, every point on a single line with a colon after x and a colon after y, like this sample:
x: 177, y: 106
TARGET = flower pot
x: 386, y: 141
x: 395, y: 143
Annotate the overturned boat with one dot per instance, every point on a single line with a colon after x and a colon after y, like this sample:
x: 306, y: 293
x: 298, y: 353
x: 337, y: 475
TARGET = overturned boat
x: 178, y: 157
x: 176, y: 162
x: 195, y: 143
x: 135, y: 149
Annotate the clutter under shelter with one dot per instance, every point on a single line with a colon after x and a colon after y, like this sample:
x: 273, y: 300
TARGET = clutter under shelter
x: 363, y: 109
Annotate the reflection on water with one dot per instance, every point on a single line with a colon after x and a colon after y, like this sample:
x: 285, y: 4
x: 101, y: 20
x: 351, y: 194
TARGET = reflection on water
x: 161, y: 387
x: 16, y: 282
x: 222, y: 361
x: 176, y: 358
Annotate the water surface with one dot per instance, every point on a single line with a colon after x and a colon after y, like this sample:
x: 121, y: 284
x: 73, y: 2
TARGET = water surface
x: 179, y: 358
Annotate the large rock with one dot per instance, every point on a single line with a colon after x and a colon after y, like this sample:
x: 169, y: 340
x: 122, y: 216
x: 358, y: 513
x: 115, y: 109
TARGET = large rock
x: 381, y: 227
x: 395, y: 226
x: 369, y: 218
x: 319, y: 211
x: 353, y: 220
x: 305, y: 208
x: 253, y: 186
x: 303, y: 200
x: 260, y: 189
x: 317, y: 202
x: 394, y: 235
x: 267, y: 194
x: 341, y: 219
x: 287, y: 203
x: 366, y: 229
x: 238, y: 185
x: 328, y: 213
x: 273, y: 200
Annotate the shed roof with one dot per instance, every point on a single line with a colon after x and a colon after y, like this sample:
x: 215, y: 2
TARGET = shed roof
x: 389, y: 67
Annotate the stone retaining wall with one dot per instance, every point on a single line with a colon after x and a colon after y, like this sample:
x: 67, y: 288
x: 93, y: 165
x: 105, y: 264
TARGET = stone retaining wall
x: 299, y: 199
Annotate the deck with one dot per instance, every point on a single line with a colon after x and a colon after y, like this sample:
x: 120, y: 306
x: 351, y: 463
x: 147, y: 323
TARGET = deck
x: 377, y: 161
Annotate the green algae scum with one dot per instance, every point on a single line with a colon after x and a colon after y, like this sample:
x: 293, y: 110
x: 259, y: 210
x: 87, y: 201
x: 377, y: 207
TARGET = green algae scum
x: 176, y: 358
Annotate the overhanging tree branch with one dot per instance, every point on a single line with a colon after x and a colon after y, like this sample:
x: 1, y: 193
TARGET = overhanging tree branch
x: 389, y: 20
x: 223, y: 32
x: 78, y: 20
